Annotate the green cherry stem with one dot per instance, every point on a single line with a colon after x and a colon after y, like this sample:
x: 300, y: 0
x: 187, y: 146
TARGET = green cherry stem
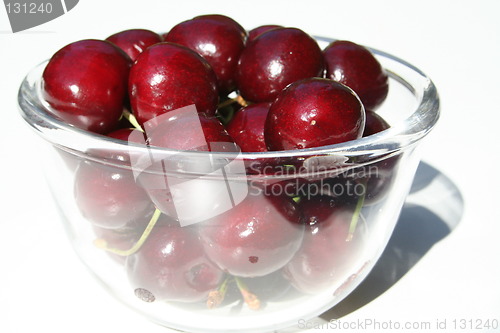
x: 250, y: 299
x: 102, y: 244
x: 132, y: 120
x: 356, y: 214
x: 216, y: 297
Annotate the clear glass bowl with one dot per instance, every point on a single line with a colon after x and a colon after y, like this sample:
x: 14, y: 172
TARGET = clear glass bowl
x: 230, y: 222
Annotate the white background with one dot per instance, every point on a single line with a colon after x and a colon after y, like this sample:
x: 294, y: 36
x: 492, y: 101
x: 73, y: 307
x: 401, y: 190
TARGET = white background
x: 44, y: 288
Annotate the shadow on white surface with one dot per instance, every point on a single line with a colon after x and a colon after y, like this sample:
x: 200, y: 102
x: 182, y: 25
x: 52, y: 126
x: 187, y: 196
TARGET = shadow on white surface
x: 432, y: 210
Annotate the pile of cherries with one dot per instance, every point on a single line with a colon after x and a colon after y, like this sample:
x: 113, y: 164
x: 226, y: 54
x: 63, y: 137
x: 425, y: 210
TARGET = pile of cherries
x: 268, y: 89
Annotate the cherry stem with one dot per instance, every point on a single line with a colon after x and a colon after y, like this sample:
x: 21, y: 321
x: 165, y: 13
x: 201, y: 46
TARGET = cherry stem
x: 241, y: 101
x: 216, y: 297
x: 132, y: 120
x: 356, y: 214
x: 227, y: 102
x: 250, y: 299
x: 102, y: 244
x: 238, y: 99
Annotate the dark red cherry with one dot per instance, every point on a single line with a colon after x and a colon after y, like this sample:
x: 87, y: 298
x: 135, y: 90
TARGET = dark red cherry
x: 167, y: 77
x: 186, y: 129
x: 124, y: 134
x: 255, y: 238
x: 328, y: 254
x: 376, y: 177
x: 247, y: 127
x: 256, y: 32
x: 109, y: 197
x: 131, y: 136
x: 85, y: 83
x: 134, y: 41
x: 318, y: 208
x: 276, y: 59
x: 171, y: 266
x: 374, y: 124
x: 218, y: 41
x: 312, y: 113
x: 226, y: 20
x: 355, y: 66
x: 371, y: 180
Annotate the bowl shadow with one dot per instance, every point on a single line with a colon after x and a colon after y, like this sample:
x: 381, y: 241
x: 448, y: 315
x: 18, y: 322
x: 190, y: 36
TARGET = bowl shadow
x: 433, y: 209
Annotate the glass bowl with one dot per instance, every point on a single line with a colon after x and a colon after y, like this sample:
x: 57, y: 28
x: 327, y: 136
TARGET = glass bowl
x: 219, y: 242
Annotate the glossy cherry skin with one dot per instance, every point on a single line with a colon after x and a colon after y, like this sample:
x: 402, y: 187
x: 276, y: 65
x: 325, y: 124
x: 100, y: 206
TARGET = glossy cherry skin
x: 167, y: 77
x: 355, y: 66
x: 255, y: 238
x: 247, y: 127
x: 171, y: 266
x: 134, y: 41
x: 274, y: 60
x: 312, y: 113
x: 108, y: 196
x: 374, y: 124
x: 219, y: 42
x: 326, y: 256
x: 85, y: 83
x: 256, y: 32
x: 226, y: 20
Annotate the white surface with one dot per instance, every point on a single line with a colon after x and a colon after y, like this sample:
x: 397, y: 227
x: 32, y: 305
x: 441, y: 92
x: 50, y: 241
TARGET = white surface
x: 44, y: 288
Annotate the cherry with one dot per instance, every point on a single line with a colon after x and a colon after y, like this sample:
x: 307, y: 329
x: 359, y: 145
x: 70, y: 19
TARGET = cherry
x: 376, y: 177
x: 124, y: 134
x: 317, y: 209
x: 109, y: 197
x: 247, y: 127
x: 226, y: 20
x: 312, y: 113
x: 121, y: 157
x: 134, y: 41
x: 255, y: 238
x: 185, y: 129
x: 85, y: 83
x: 276, y: 59
x: 371, y: 181
x: 355, y: 66
x: 220, y: 42
x: 171, y: 266
x: 167, y: 77
x: 328, y: 253
x: 374, y: 124
x: 256, y: 32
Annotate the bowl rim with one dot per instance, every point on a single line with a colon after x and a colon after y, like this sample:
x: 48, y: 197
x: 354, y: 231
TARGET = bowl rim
x: 408, y: 131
